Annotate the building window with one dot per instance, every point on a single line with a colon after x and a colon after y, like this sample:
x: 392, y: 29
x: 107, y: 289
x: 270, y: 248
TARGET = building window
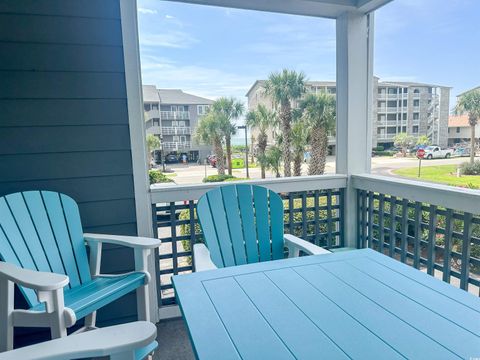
x: 202, y: 109
x: 458, y: 129
x: 391, y: 103
x: 405, y: 90
x: 146, y: 107
x: 155, y: 106
x: 178, y: 108
x: 175, y: 138
x: 391, y: 116
x: 404, y: 116
x: 404, y: 103
x: 174, y: 123
x: 404, y: 129
x: 416, y: 91
x: 416, y: 102
x: 181, y: 123
x: 381, y: 118
x: 156, y: 121
x: 416, y: 116
x: 415, y: 129
x: 381, y: 104
x: 392, y: 90
x: 381, y: 90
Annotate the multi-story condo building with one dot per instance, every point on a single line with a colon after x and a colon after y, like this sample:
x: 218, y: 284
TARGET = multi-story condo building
x: 173, y: 116
x: 415, y: 108
x: 459, y: 130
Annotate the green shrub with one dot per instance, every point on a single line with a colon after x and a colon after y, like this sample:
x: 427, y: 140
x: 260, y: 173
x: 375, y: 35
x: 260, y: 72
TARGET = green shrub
x: 236, y: 179
x: 379, y: 148
x: 470, y: 169
x: 238, y: 163
x: 156, y: 176
x: 217, y: 178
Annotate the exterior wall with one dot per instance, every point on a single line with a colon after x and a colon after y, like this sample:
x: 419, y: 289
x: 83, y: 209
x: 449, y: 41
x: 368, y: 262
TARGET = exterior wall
x: 463, y: 135
x: 191, y: 124
x: 63, y: 116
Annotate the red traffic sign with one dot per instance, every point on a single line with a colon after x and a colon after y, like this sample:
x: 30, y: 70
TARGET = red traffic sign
x: 420, y: 153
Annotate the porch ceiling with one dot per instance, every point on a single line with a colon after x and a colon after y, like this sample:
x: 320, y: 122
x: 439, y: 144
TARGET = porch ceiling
x: 320, y: 8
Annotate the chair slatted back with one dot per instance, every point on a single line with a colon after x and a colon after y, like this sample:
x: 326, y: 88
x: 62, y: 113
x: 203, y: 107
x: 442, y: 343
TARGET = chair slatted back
x: 242, y: 224
x: 41, y: 230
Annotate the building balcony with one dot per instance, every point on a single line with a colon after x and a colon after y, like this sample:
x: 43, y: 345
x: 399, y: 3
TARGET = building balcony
x: 389, y: 110
x: 176, y: 145
x: 389, y: 96
x: 176, y: 130
x: 409, y: 221
x: 389, y: 123
x: 174, y: 115
x: 386, y: 136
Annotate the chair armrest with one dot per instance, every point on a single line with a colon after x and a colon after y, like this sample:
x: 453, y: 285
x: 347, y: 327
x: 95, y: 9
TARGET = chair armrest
x: 201, y: 258
x: 36, y: 280
x: 135, y: 242
x: 295, y: 243
x: 114, y: 340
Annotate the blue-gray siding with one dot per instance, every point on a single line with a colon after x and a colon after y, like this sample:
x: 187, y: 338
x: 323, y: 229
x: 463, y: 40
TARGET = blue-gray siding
x: 63, y: 115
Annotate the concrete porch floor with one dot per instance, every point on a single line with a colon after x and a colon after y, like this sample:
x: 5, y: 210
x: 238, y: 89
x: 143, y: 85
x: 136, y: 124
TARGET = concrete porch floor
x: 173, y: 341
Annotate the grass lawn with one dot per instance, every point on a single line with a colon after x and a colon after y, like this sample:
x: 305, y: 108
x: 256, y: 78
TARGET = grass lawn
x: 444, y: 174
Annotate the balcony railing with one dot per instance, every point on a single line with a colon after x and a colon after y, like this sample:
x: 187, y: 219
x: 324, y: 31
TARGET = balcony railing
x: 386, y: 136
x: 313, y: 211
x: 434, y: 228
x: 176, y: 145
x: 176, y: 130
x: 174, y: 115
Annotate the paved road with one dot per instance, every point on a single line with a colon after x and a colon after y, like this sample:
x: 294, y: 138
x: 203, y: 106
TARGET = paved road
x: 193, y: 173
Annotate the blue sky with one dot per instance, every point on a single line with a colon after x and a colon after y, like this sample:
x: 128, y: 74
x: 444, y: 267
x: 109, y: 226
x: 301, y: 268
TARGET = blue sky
x: 214, y: 52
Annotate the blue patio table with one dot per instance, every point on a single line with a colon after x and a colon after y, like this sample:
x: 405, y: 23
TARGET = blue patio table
x: 358, y: 304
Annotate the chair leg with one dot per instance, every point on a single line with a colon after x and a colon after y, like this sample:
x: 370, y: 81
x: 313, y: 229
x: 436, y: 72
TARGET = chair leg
x: 6, y: 312
x: 58, y: 326
x: 143, y: 303
x: 90, y: 320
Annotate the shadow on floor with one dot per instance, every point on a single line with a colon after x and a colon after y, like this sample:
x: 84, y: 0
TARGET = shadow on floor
x: 173, y: 341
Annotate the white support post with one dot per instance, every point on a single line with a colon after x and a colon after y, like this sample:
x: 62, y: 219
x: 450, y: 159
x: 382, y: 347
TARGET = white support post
x: 6, y: 314
x: 143, y: 206
x: 354, y: 102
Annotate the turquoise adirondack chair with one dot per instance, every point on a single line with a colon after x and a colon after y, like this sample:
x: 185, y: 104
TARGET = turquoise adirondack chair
x: 244, y: 224
x: 43, y: 251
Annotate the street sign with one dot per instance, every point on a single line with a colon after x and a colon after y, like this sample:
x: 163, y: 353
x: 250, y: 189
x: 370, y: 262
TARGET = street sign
x: 420, y: 153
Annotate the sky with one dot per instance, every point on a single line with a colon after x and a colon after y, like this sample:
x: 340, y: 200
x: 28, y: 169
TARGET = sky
x: 213, y: 52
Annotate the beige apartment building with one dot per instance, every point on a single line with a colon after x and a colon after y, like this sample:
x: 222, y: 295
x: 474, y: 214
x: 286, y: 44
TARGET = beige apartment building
x: 415, y: 108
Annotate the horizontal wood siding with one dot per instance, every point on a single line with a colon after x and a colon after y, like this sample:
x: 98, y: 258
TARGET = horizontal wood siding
x: 63, y: 117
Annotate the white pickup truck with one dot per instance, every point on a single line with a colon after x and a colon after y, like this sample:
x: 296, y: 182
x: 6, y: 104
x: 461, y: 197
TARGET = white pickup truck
x: 436, y: 152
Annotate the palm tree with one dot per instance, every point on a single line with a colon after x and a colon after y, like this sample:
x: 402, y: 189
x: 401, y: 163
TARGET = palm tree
x: 300, y: 139
x: 273, y: 159
x: 284, y: 88
x: 469, y: 103
x: 228, y: 110
x: 153, y: 143
x: 209, y: 131
x: 261, y: 120
x: 318, y: 112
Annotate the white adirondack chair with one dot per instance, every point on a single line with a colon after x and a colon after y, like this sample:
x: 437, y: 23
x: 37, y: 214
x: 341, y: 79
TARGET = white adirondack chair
x: 133, y: 341
x: 43, y: 251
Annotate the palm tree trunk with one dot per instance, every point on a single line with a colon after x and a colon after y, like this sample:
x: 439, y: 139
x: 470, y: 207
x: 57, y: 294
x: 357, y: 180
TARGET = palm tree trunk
x: 262, y: 146
x: 472, y: 145
x: 228, y: 145
x: 285, y: 118
x: 220, y: 160
x: 252, y: 148
x: 297, y: 164
x: 319, y: 151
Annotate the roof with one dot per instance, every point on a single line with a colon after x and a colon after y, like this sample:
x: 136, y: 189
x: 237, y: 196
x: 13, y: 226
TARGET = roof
x: 172, y: 96
x: 458, y: 121
x: 177, y: 96
x: 319, y: 8
x: 463, y: 93
x: 409, y: 84
x: 150, y: 93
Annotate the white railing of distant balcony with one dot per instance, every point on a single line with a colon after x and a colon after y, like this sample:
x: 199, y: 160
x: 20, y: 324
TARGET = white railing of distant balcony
x: 176, y: 130
x: 176, y: 145
x: 432, y: 227
x: 314, y: 211
x: 174, y: 115
x: 386, y: 136
x: 389, y: 109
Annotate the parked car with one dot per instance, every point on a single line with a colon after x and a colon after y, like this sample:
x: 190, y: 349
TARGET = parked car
x: 171, y: 158
x: 462, y: 151
x: 436, y: 152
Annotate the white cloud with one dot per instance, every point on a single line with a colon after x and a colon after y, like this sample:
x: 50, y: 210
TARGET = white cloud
x: 199, y: 80
x: 169, y: 17
x: 169, y: 38
x: 147, y: 11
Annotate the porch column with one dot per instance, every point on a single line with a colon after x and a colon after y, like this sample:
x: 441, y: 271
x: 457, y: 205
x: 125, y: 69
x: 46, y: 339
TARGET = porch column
x: 354, y: 104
